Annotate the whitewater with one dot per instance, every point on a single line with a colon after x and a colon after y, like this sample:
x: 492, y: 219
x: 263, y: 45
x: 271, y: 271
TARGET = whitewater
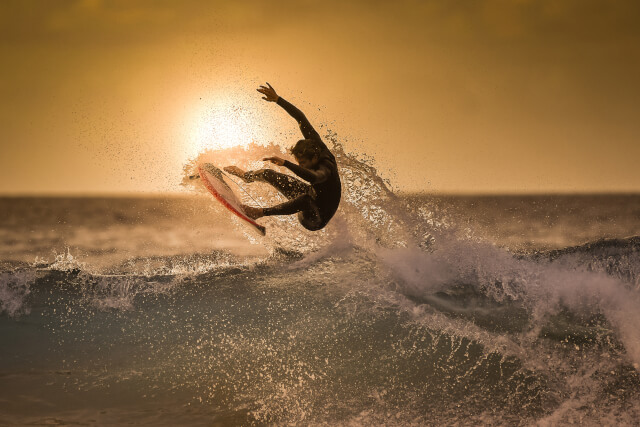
x: 405, y: 310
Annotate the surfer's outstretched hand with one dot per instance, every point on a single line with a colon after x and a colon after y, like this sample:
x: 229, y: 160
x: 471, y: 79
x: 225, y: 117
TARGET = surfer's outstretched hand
x: 269, y: 93
x: 275, y: 160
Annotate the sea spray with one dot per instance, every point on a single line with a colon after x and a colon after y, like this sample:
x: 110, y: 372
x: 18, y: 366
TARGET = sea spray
x: 397, y: 313
x: 15, y: 287
x: 370, y: 209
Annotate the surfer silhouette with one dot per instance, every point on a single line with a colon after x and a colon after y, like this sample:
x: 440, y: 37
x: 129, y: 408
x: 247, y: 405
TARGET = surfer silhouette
x: 316, y: 200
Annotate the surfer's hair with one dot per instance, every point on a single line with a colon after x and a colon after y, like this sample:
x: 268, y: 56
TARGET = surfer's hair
x: 306, y: 148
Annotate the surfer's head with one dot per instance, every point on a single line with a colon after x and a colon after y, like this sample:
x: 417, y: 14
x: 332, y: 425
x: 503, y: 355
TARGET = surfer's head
x: 306, y: 152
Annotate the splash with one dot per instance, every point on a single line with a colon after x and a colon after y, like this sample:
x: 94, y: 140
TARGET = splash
x: 64, y: 261
x: 369, y: 210
x: 426, y: 257
x: 396, y: 313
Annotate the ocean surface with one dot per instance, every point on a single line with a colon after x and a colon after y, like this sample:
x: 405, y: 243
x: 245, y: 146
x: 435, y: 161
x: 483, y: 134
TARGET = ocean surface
x: 405, y: 310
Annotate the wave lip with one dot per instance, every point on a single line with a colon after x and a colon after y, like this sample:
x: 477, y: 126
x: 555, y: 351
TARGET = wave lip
x: 619, y: 258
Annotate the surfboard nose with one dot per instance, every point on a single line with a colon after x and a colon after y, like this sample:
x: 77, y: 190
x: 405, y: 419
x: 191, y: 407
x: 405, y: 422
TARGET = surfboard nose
x: 209, y: 167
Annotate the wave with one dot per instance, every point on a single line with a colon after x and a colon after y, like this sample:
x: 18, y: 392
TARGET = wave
x: 391, y: 315
x: 601, y: 247
x: 619, y: 258
x: 481, y: 329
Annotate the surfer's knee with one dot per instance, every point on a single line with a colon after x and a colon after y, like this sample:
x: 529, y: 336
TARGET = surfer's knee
x: 310, y: 220
x: 309, y: 217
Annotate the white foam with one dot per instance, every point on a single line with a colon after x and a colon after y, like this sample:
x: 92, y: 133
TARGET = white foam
x: 14, y: 291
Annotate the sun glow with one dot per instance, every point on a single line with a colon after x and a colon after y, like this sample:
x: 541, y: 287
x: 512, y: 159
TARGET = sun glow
x: 221, y: 128
x: 223, y: 125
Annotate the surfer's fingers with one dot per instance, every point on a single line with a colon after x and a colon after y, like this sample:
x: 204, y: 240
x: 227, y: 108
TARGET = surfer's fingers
x: 269, y: 86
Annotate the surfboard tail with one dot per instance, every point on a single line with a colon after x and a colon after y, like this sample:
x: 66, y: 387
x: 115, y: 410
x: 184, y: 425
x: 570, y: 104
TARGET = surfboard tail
x: 212, y: 179
x: 261, y: 229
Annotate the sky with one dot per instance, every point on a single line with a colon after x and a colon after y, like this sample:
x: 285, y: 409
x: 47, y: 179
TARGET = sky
x: 486, y: 96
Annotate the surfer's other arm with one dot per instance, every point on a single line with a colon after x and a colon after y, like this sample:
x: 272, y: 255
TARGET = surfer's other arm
x: 313, y: 176
x: 305, y: 126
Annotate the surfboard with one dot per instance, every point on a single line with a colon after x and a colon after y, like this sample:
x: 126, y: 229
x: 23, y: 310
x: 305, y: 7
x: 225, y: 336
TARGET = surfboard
x: 212, y: 178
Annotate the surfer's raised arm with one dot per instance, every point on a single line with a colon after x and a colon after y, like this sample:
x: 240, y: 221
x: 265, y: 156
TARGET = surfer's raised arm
x: 270, y: 95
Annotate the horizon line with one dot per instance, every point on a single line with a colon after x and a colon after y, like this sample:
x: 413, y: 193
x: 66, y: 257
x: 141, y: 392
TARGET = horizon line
x: 152, y: 194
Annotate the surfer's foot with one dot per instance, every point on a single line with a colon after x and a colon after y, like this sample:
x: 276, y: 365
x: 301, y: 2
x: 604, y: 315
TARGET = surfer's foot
x: 234, y: 170
x: 196, y: 176
x: 251, y: 212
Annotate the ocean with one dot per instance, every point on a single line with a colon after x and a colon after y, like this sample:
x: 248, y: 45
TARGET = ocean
x: 405, y: 310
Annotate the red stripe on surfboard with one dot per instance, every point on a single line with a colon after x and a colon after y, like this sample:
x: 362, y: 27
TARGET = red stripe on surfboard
x: 226, y: 204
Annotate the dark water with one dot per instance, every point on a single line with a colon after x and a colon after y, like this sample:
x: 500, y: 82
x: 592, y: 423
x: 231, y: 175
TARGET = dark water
x: 407, y: 310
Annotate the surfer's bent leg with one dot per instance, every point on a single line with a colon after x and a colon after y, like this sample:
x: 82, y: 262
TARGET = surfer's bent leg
x: 306, y: 208
x: 289, y: 186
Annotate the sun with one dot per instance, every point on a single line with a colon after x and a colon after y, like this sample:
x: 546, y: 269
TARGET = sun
x: 222, y: 124
x: 221, y: 127
x: 226, y: 120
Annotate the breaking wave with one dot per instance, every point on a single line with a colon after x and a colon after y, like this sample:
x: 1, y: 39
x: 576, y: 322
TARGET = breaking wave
x: 391, y: 315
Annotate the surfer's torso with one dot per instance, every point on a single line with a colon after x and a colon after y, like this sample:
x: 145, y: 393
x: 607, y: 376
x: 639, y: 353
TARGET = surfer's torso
x: 329, y: 190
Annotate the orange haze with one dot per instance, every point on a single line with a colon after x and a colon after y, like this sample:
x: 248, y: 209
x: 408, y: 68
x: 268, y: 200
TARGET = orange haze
x: 478, y: 96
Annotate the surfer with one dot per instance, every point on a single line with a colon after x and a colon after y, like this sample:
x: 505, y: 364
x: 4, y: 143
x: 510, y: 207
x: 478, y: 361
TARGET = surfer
x: 315, y: 202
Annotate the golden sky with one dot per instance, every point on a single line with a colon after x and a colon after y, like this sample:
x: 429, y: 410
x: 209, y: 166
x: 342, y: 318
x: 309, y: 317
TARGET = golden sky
x: 483, y: 96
